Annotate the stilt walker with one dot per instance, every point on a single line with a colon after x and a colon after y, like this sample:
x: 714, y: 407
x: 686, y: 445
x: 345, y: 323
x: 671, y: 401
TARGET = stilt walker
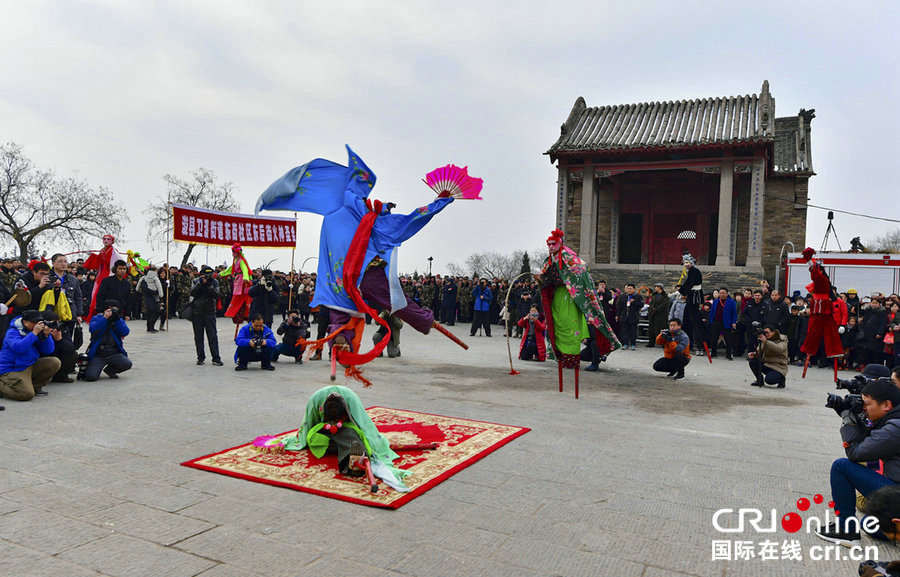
x: 570, y: 304
x: 239, y: 309
x: 821, y: 314
x: 102, y: 261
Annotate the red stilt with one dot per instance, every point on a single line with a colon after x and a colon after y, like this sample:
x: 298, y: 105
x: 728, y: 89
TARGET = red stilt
x: 835, y: 369
x: 708, y: 356
x: 576, y: 382
x: 560, y: 376
x: 805, y: 366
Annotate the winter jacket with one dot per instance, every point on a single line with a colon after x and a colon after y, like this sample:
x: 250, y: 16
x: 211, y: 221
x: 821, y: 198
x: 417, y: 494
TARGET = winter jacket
x: 840, y: 313
x: 539, y: 328
x: 629, y: 311
x: 775, y: 313
x: 729, y: 313
x: 773, y: 353
x: 880, y: 442
x: 70, y: 285
x: 100, y: 325
x: 676, y: 311
x: 204, y: 296
x: 482, y: 298
x: 675, y: 344
x: 22, y: 348
x: 150, y: 285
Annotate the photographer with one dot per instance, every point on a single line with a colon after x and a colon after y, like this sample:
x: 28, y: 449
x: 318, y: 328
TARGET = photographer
x: 255, y: 342
x: 880, y: 403
x: 293, y: 328
x: 676, y: 350
x: 264, y: 297
x: 107, y: 351
x: 116, y: 288
x: 23, y: 371
x: 770, y: 361
x: 533, y: 345
x: 481, y: 315
x: 204, y: 297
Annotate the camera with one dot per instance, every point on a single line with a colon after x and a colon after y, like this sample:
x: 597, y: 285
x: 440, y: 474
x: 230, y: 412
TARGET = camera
x: 52, y: 325
x: 756, y: 328
x: 664, y: 332
x: 853, y: 403
x: 853, y: 386
x: 114, y: 316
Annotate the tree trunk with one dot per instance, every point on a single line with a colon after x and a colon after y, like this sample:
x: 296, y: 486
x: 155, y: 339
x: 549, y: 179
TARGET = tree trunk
x: 23, y: 250
x: 187, y: 254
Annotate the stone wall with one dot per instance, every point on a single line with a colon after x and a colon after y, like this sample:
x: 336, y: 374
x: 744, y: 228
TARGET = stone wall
x: 616, y: 277
x: 783, y: 222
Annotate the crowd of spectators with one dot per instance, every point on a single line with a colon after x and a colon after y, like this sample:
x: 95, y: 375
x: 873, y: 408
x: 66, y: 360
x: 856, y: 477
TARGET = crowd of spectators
x: 730, y: 320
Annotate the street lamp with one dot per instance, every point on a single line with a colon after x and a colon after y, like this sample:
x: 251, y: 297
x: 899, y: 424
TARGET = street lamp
x: 429, y: 265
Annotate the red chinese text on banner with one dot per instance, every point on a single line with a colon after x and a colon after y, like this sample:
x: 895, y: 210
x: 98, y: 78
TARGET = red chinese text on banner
x: 202, y: 226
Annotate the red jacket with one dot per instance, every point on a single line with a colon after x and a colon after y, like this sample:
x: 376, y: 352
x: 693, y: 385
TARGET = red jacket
x: 840, y: 313
x: 539, y: 327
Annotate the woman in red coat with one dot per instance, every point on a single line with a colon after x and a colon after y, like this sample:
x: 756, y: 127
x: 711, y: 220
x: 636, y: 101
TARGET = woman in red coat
x: 532, y: 345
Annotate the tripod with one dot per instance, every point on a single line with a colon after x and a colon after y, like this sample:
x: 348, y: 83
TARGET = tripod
x: 829, y: 231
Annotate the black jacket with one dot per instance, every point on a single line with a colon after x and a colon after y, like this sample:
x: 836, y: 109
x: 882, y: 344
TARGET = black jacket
x: 111, y: 288
x: 880, y: 442
x: 204, y: 296
x: 776, y: 314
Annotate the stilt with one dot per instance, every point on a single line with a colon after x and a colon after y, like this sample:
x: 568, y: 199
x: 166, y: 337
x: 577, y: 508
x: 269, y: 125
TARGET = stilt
x: 708, y: 356
x: 805, y: 366
x: 559, y: 365
x: 334, y: 355
x: 576, y: 382
x: 835, y: 369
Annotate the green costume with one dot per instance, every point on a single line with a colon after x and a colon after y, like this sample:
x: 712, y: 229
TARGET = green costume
x: 310, y: 434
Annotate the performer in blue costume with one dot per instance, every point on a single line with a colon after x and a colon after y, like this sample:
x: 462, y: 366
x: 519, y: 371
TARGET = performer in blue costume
x: 339, y: 193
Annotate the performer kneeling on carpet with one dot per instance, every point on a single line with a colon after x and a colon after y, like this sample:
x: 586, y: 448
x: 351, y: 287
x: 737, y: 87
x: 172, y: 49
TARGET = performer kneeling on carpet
x: 676, y: 350
x: 107, y: 350
x: 255, y: 342
x: 770, y: 361
x: 337, y: 422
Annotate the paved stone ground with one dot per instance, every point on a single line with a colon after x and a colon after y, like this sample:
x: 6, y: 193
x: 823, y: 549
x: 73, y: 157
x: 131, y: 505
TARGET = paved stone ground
x: 623, y: 482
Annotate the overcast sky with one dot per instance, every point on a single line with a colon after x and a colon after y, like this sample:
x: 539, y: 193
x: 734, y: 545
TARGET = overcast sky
x: 125, y: 92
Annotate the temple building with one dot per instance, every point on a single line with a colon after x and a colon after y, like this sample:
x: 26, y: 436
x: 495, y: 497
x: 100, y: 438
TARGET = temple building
x: 722, y: 178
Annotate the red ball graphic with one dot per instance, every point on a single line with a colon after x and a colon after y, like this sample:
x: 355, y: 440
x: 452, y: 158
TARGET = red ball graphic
x: 818, y: 499
x: 803, y: 504
x: 791, y: 522
x: 831, y: 504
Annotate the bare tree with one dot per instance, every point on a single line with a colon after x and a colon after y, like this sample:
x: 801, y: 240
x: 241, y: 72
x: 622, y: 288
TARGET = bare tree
x: 889, y: 242
x: 35, y: 203
x: 492, y: 264
x: 201, y: 190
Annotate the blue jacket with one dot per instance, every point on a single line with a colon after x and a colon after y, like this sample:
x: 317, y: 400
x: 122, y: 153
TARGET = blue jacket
x: 245, y: 335
x: 22, y: 348
x: 729, y: 314
x: 485, y: 303
x: 99, y: 326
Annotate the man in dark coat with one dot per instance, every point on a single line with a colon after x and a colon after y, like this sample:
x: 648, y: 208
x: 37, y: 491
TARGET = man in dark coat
x: 116, y: 288
x: 692, y: 288
x: 658, y: 316
x: 873, y: 325
x: 264, y: 297
x: 448, y: 302
x: 204, y: 296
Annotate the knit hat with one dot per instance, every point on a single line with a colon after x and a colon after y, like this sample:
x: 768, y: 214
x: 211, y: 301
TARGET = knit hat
x: 32, y: 316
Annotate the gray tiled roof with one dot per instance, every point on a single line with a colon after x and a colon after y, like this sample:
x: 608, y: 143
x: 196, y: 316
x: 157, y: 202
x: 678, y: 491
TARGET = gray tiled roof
x: 674, y: 124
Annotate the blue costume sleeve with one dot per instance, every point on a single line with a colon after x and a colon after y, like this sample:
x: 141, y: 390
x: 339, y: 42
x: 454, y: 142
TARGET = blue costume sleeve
x: 318, y: 186
x: 400, y: 227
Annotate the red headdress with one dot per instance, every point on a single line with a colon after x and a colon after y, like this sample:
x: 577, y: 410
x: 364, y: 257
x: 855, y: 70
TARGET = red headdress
x: 808, y: 253
x: 557, y: 236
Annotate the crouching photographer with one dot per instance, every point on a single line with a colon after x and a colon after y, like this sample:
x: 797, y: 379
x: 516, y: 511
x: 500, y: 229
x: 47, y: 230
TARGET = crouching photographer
x: 107, y: 350
x: 676, y: 350
x: 770, y: 361
x: 255, y: 342
x: 292, y: 330
x: 877, y: 438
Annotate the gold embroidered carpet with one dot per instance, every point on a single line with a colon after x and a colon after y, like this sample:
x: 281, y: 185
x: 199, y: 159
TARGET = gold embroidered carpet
x: 460, y: 442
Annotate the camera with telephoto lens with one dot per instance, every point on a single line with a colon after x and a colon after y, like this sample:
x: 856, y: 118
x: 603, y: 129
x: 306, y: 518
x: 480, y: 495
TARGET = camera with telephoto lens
x: 853, y: 403
x: 853, y: 386
x: 114, y: 314
x: 52, y: 325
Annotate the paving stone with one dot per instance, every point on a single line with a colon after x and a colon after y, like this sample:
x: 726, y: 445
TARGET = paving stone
x: 540, y: 556
x: 158, y: 495
x: 121, y: 556
x: 61, y: 499
x: 16, y: 561
x: 47, y: 532
x: 242, y: 514
x: 250, y: 551
x: 11, y: 480
x: 148, y: 523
